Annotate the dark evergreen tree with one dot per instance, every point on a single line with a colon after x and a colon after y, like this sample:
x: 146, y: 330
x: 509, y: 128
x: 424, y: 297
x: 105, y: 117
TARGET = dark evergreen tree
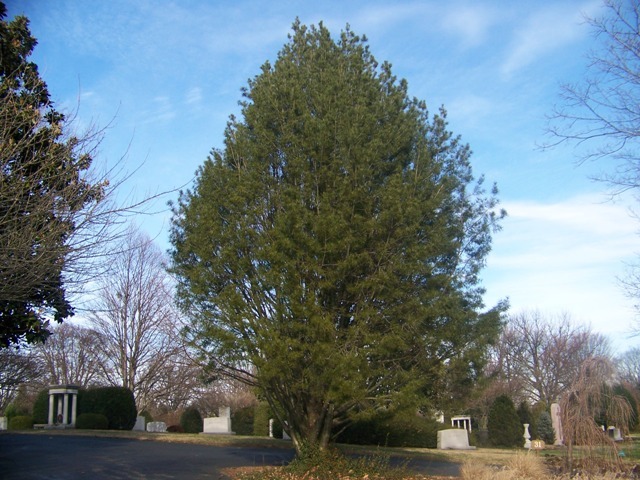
x: 43, y: 189
x: 191, y: 420
x: 505, y: 429
x: 329, y: 254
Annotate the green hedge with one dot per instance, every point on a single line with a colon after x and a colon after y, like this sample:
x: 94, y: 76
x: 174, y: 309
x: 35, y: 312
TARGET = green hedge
x: 242, y: 421
x: 41, y: 407
x: 92, y: 421
x: 400, y: 430
x: 20, y: 422
x: 115, y: 403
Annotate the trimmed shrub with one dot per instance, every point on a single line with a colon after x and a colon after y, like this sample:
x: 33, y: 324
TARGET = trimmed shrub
x: 175, y: 429
x: 544, y: 429
x: 41, y: 407
x: 505, y: 429
x: 115, y: 403
x: 400, y: 430
x: 191, y: 421
x: 242, y: 421
x: 92, y: 421
x: 20, y: 422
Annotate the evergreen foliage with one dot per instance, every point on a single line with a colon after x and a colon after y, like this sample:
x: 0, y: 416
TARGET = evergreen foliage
x: 92, y: 421
x: 242, y: 421
x: 115, y: 403
x: 41, y: 407
x: 20, y: 422
x: 44, y: 190
x: 191, y: 420
x: 399, y: 430
x: 622, y: 391
x: 505, y: 429
x: 329, y: 254
x: 544, y: 428
x: 261, y: 417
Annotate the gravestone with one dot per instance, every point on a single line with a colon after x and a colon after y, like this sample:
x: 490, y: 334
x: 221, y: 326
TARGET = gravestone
x: 139, y: 426
x: 3, y: 423
x: 454, y: 439
x: 156, y: 427
x: 557, y: 423
x: 220, y: 425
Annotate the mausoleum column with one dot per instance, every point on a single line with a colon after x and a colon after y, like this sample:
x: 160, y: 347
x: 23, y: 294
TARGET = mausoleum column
x: 65, y: 411
x: 51, y: 408
x: 74, y: 407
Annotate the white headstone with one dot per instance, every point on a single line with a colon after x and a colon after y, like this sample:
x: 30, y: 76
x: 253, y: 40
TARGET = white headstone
x: 454, y: 439
x: 139, y: 426
x: 557, y: 423
x: 220, y: 425
x: 3, y: 423
x: 156, y: 427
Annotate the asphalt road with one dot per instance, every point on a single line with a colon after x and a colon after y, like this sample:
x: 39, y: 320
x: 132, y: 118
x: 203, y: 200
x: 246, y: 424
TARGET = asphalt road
x: 31, y: 457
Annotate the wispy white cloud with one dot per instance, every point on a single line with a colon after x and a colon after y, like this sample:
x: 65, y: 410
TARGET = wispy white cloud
x: 543, y: 33
x: 566, y: 256
x: 470, y: 23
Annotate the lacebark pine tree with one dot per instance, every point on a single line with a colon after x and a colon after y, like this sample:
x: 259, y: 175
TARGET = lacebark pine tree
x: 329, y: 254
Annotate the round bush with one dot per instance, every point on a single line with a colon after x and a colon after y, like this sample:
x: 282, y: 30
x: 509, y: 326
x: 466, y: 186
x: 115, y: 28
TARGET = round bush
x: 20, y: 422
x: 191, y: 420
x: 92, y: 421
x: 175, y: 429
x: 505, y: 429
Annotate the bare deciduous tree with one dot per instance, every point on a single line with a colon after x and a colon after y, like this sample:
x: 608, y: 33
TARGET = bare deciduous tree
x: 135, y: 318
x: 628, y: 365
x: 16, y: 369
x: 71, y: 355
x: 542, y: 356
x: 603, y: 109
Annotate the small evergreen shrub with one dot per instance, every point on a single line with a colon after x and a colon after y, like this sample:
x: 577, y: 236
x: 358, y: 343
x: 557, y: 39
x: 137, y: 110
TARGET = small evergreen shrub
x: 41, y: 407
x: 191, y: 420
x: 242, y: 421
x: 175, y: 429
x: 544, y: 429
x: 92, y: 421
x: 505, y: 429
x: 20, y: 422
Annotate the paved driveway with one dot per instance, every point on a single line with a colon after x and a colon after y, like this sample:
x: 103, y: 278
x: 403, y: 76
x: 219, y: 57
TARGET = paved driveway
x: 31, y: 457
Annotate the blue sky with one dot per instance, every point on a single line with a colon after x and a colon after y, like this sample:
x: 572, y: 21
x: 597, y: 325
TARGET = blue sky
x: 164, y: 76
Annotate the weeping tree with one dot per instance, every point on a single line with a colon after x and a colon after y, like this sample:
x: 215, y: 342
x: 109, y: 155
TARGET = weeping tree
x: 590, y: 401
x: 329, y: 253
